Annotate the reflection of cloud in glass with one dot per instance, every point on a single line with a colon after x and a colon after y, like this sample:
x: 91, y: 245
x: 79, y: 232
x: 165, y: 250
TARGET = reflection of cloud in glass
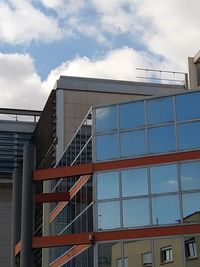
x: 171, y: 184
x: 102, y: 113
x: 187, y: 178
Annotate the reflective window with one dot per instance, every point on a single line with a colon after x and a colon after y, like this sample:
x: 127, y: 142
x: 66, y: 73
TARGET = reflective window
x: 162, y: 139
x: 134, y: 182
x: 190, y: 175
x: 191, y: 247
x: 108, y: 215
x: 106, y: 119
x: 160, y: 110
x: 191, y: 207
x: 135, y: 212
x: 139, y: 253
x: 165, y: 209
x: 132, y: 143
x: 187, y: 106
x: 164, y: 178
x: 188, y: 135
x: 107, y: 147
x: 109, y: 254
x: 169, y: 251
x: 131, y: 115
x: 107, y: 185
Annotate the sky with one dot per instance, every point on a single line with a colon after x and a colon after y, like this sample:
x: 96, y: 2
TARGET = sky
x: 43, y: 39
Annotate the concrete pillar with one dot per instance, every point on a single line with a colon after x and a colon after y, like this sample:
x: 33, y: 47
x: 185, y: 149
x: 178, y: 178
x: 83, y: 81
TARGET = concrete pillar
x: 26, y: 257
x: 16, y: 213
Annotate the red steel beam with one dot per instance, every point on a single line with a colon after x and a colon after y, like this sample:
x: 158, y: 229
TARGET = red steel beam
x: 90, y: 238
x: 60, y: 172
x: 18, y: 248
x: 69, y: 255
x: 72, y: 192
x: 63, y: 240
x: 52, y: 197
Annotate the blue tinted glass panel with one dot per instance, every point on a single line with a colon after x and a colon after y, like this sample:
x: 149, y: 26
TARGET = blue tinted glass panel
x: 191, y: 207
x: 135, y: 212
x: 108, y: 215
x: 107, y: 147
x: 106, y: 119
x: 160, y: 110
x: 165, y: 210
x: 162, y: 139
x: 134, y: 182
x: 164, y: 179
x: 132, y: 143
x: 188, y: 135
x: 187, y: 106
x: 131, y: 115
x: 107, y: 185
x: 190, y: 175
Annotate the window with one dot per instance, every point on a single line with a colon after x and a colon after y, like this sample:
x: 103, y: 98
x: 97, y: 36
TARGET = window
x: 132, y: 143
x: 166, y: 254
x: 131, y: 115
x: 162, y: 139
x: 106, y: 147
x: 160, y: 110
x: 108, y: 215
x: 188, y: 135
x: 106, y: 119
x: 147, y: 259
x: 190, y: 248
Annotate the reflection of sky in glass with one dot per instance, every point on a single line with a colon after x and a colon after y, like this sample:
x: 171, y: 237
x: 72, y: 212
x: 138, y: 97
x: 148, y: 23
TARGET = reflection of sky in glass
x: 164, y: 178
x: 162, y: 139
x: 191, y: 203
x: 190, y: 175
x: 131, y: 115
x: 106, y: 147
x: 108, y: 185
x: 165, y: 209
x: 132, y: 143
x: 108, y: 215
x: 134, y: 182
x: 160, y: 110
x: 187, y: 106
x: 135, y: 212
x: 188, y: 135
x: 106, y: 119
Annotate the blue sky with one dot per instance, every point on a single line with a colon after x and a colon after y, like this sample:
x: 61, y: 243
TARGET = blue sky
x: 43, y: 39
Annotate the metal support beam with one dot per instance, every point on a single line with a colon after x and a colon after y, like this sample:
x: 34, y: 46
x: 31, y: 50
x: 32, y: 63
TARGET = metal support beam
x: 52, y: 197
x: 26, y: 258
x: 16, y: 213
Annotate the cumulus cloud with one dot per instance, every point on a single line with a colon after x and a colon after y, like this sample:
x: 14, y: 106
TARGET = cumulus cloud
x: 21, y: 22
x: 21, y: 87
x: 118, y: 64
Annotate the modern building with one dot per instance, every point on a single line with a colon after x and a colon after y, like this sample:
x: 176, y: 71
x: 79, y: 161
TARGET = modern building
x: 16, y: 129
x: 111, y: 178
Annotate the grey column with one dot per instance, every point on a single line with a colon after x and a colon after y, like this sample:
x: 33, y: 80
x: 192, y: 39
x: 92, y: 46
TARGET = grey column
x: 26, y: 257
x: 16, y: 213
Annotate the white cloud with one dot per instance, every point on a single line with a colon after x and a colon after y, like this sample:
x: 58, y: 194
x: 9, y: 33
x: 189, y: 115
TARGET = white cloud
x: 22, y: 23
x: 118, y: 64
x: 20, y: 86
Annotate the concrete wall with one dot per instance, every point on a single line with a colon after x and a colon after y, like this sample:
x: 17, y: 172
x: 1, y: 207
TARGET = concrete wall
x: 5, y: 224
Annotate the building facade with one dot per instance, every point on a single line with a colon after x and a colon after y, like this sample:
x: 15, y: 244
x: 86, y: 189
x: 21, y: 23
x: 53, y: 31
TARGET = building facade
x: 16, y: 129
x: 129, y: 172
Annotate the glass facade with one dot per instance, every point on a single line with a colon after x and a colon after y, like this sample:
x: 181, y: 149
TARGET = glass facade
x: 174, y: 252
x: 154, y: 195
x: 153, y: 126
x: 144, y: 197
